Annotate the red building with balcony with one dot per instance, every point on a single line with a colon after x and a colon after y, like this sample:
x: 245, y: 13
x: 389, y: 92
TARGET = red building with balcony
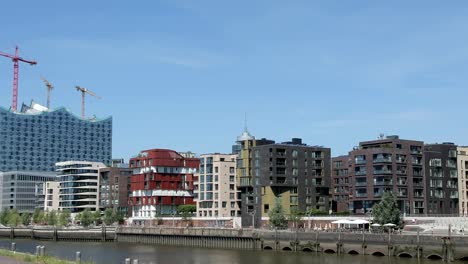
x: 162, y: 180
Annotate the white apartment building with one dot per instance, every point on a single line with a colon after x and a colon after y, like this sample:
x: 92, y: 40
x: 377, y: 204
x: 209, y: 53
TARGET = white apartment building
x: 462, y: 160
x: 79, y: 185
x: 215, y: 188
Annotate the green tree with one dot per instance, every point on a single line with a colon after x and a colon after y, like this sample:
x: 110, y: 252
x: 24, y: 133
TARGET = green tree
x: 109, y: 216
x: 119, y: 217
x: 386, y: 211
x: 295, y: 217
x: 85, y: 218
x: 186, y: 211
x: 315, y: 211
x: 35, y: 216
x: 26, y: 219
x: 4, y: 216
x: 64, y: 217
x: 276, y: 214
x: 96, y: 216
x: 14, y: 219
x: 41, y: 218
x: 52, y: 218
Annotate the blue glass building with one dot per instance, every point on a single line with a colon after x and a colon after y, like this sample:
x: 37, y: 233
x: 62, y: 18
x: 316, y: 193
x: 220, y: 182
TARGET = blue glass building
x: 36, y: 140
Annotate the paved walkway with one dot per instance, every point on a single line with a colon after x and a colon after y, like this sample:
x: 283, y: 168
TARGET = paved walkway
x: 7, y: 260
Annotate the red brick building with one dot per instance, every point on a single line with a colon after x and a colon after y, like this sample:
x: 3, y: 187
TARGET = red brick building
x: 162, y: 180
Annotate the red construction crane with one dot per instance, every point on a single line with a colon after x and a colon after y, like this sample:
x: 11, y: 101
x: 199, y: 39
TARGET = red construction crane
x: 16, y: 59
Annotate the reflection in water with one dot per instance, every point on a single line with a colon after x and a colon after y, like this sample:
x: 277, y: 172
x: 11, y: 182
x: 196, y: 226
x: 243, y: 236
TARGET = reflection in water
x: 105, y: 253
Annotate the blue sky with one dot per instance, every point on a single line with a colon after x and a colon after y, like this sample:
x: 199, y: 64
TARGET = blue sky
x: 181, y: 74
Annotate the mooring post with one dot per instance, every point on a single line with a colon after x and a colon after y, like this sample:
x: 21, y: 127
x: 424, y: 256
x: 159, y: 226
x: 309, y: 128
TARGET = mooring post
x: 38, y: 251
x: 135, y: 261
x: 128, y: 261
x: 78, y: 257
x: 13, y: 246
x: 42, y: 250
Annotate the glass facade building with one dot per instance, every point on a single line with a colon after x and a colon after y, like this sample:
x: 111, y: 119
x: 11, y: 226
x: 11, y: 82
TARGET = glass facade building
x: 35, y: 141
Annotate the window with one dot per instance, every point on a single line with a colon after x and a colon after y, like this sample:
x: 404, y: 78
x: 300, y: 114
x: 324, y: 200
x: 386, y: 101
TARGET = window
x: 216, y: 169
x: 231, y: 169
x: 294, y: 153
x: 231, y: 178
x: 266, y: 208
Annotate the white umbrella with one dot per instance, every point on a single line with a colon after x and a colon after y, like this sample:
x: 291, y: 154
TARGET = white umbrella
x: 360, y: 222
x: 341, y: 221
x: 375, y: 224
x: 389, y: 224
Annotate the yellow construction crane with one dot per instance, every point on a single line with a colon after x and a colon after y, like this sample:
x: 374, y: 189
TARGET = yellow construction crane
x: 49, y: 88
x: 84, y: 91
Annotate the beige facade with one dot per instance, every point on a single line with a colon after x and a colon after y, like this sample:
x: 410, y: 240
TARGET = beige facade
x: 51, y: 196
x: 462, y: 159
x: 215, y: 186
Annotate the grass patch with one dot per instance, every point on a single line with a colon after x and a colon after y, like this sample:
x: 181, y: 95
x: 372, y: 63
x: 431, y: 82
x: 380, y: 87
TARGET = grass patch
x: 36, y: 260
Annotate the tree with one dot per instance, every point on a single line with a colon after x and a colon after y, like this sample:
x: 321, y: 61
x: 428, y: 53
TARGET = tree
x: 108, y: 217
x: 4, y: 216
x: 119, y: 217
x: 35, y: 216
x: 14, y: 218
x: 295, y: 216
x: 315, y: 211
x: 85, y: 218
x: 277, y: 218
x: 42, y: 217
x: 26, y: 219
x: 52, y: 218
x: 96, y: 216
x: 186, y: 211
x: 386, y: 211
x: 64, y: 217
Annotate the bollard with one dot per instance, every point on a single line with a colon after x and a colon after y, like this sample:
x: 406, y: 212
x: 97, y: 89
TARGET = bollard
x: 42, y: 250
x: 128, y: 261
x: 78, y: 257
x: 38, y: 250
x: 135, y: 261
x: 13, y: 246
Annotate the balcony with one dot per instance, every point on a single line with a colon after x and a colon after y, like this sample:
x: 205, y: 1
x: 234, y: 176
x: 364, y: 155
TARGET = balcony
x: 416, y: 151
x: 361, y: 195
x: 360, y: 161
x: 378, y: 194
x: 402, y: 182
x: 418, y: 195
x: 245, y: 181
x: 360, y: 173
x: 383, y: 182
x: 382, y: 172
x: 383, y: 160
x: 401, y: 172
x: 361, y: 184
x: 400, y: 160
x: 418, y: 184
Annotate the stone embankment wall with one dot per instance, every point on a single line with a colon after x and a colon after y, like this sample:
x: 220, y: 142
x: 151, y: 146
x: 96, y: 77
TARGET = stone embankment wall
x: 447, y: 248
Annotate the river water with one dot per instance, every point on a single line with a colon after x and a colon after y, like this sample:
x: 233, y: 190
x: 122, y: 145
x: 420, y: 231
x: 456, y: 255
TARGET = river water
x: 110, y: 253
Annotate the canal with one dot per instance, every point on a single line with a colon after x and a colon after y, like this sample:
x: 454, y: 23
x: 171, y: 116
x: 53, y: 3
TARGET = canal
x: 110, y: 253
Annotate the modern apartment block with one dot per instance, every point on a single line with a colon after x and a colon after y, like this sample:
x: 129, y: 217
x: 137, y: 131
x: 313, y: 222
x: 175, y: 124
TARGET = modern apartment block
x: 245, y: 180
x: 36, y: 138
x: 340, y: 184
x: 47, y: 196
x: 79, y: 185
x: 18, y: 189
x: 215, y: 186
x: 462, y: 164
x: 387, y: 164
x: 114, y: 188
x: 162, y: 180
x: 295, y: 173
x: 441, y: 178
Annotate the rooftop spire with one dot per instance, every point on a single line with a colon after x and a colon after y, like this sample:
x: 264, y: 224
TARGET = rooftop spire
x: 245, y: 135
x: 245, y: 122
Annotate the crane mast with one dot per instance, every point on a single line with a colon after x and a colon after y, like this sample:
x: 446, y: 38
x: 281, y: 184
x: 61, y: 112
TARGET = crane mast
x: 16, y: 59
x: 49, y: 88
x: 84, y: 91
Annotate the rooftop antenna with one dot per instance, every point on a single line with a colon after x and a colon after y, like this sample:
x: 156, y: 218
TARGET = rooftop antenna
x: 245, y: 121
x: 381, y: 136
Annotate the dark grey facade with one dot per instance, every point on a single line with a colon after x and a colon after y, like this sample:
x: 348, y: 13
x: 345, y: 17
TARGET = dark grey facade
x: 36, y: 141
x: 387, y: 164
x: 442, y: 179
x: 297, y: 174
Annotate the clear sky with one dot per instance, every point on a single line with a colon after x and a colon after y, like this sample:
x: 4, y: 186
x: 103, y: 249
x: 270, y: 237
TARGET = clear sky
x: 180, y: 74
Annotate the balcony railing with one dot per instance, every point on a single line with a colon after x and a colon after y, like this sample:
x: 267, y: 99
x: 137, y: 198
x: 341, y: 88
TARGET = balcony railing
x: 381, y: 160
x: 360, y: 195
x: 361, y: 184
x: 360, y: 161
x: 360, y: 172
x: 382, y: 172
x: 383, y: 182
x: 245, y: 181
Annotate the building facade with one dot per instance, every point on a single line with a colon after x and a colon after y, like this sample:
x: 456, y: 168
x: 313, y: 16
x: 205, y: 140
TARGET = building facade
x: 18, y: 189
x: 114, y: 188
x: 215, y: 186
x: 293, y: 173
x: 47, y: 196
x: 387, y: 164
x: 441, y: 178
x: 79, y: 185
x: 162, y: 180
x: 36, y: 140
x: 462, y: 165
x: 340, y: 184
